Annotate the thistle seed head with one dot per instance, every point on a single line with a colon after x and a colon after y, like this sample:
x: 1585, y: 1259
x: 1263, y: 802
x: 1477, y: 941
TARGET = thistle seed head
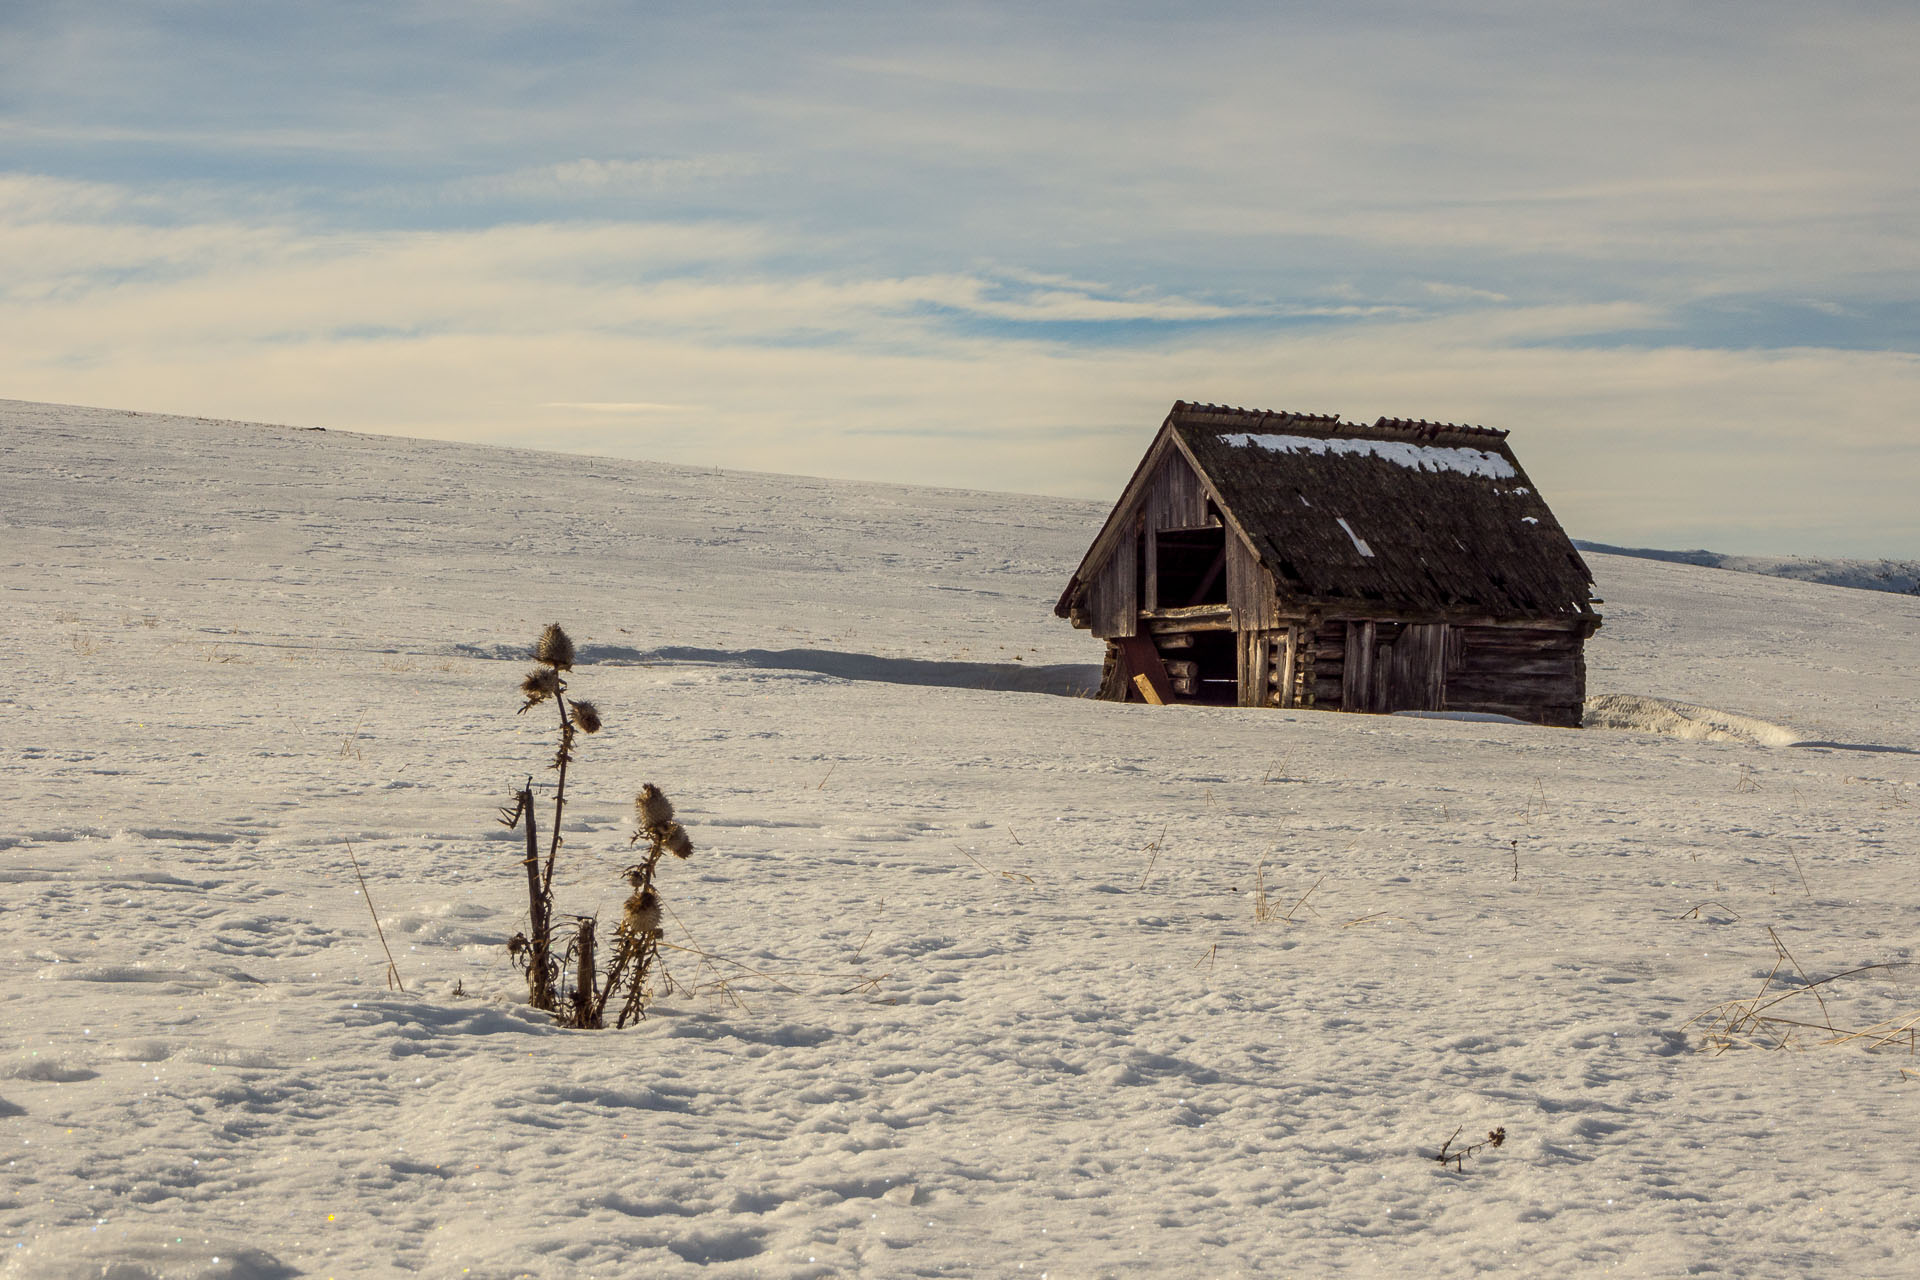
x: 554, y: 648
x: 677, y: 843
x: 641, y: 915
x: 651, y: 808
x: 586, y: 716
x: 541, y: 683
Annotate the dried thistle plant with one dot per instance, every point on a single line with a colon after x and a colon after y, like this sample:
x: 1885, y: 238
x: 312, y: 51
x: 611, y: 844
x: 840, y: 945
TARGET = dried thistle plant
x: 637, y: 961
x: 533, y: 951
x: 1457, y: 1157
x: 560, y: 960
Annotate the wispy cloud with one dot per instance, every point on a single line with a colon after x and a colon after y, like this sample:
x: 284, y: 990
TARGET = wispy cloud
x: 623, y: 406
x: 988, y: 243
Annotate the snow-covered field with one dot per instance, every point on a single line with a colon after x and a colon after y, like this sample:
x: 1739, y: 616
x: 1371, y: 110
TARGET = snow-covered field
x: 992, y: 994
x: 1868, y: 575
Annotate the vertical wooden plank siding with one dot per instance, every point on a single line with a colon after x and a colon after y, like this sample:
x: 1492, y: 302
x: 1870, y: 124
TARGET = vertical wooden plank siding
x: 1176, y: 499
x: 1250, y: 588
x: 1112, y: 609
x: 1414, y: 671
x: 1382, y: 667
x: 1356, y: 682
x: 1256, y: 667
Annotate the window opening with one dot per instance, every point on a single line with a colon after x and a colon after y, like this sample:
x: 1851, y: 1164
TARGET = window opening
x: 1192, y: 566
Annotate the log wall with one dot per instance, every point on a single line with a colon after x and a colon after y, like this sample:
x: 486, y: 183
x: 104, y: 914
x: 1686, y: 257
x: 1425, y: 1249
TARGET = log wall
x: 1530, y: 674
x: 1536, y: 674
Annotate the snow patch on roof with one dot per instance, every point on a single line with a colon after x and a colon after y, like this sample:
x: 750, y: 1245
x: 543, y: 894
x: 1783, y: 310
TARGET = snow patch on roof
x: 1418, y: 457
x: 1359, y: 543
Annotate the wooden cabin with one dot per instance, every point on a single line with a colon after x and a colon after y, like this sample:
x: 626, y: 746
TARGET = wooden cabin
x: 1294, y: 560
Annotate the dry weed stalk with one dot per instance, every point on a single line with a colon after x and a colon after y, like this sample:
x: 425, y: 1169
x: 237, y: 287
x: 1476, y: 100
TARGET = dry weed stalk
x: 1458, y: 1158
x: 1768, y: 1020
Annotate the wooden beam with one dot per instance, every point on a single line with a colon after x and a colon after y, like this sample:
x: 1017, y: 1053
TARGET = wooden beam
x: 1220, y: 613
x: 1149, y: 553
x: 1143, y: 659
x: 1290, y: 665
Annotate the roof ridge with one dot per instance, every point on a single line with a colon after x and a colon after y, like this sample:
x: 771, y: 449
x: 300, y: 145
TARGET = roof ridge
x: 1418, y: 428
x: 1228, y: 411
x: 1421, y: 427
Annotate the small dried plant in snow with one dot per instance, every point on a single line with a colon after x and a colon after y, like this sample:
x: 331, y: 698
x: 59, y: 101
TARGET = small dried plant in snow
x: 560, y: 959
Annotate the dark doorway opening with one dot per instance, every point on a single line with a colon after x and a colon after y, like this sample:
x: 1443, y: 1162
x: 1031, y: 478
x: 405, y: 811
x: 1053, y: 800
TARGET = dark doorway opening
x: 1203, y: 666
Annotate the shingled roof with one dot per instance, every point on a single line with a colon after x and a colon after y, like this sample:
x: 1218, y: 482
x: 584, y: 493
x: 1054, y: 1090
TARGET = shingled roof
x: 1402, y: 515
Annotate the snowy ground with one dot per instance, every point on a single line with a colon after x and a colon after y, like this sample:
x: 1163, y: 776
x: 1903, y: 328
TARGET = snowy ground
x: 997, y: 998
x: 1868, y: 575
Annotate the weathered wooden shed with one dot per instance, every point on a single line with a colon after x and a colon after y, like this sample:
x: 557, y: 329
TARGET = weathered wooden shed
x: 1294, y: 560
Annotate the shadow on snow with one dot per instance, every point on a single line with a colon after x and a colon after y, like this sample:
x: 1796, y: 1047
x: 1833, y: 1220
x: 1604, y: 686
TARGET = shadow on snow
x: 1071, y: 680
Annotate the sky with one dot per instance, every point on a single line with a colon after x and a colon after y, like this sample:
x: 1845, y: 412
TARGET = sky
x: 1674, y: 249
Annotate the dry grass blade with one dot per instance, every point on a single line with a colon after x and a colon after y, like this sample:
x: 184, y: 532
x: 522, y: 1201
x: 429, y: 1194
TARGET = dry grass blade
x: 1372, y: 917
x: 393, y: 970
x: 1303, y: 900
x: 1811, y: 985
x: 1153, y: 854
x: 1694, y: 914
x: 1800, y: 871
x: 1004, y: 875
x: 1262, y: 909
x: 1761, y: 1021
x: 708, y: 957
x: 1887, y: 1033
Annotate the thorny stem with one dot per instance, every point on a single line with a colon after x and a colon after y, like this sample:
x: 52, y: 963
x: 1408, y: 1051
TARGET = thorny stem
x: 640, y: 953
x: 560, y: 762
x: 586, y: 1004
x: 539, y: 904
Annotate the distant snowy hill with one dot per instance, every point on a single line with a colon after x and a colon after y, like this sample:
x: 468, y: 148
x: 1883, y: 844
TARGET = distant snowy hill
x: 1901, y: 576
x: 973, y: 976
